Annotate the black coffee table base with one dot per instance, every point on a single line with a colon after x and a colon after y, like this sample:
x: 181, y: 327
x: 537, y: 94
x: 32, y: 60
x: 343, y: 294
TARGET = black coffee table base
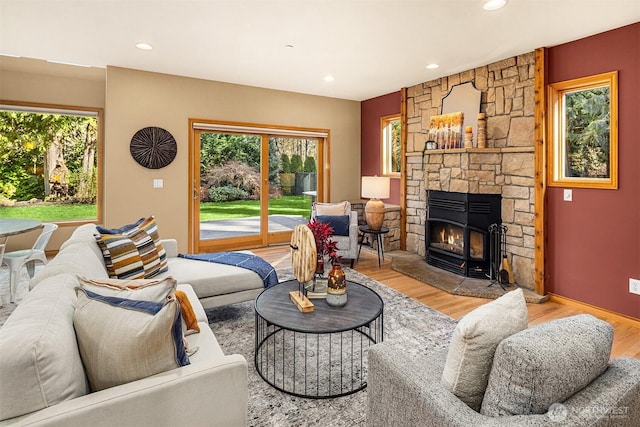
x: 316, y: 365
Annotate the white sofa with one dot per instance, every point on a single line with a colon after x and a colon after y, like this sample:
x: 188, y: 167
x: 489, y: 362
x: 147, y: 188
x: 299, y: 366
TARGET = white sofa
x: 42, y: 379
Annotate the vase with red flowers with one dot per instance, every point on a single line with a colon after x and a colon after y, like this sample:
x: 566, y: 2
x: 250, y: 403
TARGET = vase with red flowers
x: 327, y: 247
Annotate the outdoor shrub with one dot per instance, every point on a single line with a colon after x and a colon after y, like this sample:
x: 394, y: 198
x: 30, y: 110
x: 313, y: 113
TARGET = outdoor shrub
x: 309, y: 164
x: 233, y: 174
x: 286, y: 163
x: 296, y: 163
x: 227, y: 194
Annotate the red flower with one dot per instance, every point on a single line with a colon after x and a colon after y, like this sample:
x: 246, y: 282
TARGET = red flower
x: 325, y: 245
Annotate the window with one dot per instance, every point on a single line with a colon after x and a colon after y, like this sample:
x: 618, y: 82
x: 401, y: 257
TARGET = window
x: 583, y: 149
x: 390, y: 130
x: 49, y: 162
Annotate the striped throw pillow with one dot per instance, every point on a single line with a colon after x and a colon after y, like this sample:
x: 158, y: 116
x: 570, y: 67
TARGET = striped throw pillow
x: 136, y: 254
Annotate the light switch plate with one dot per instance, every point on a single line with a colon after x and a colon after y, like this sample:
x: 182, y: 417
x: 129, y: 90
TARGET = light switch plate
x: 568, y: 195
x: 158, y: 183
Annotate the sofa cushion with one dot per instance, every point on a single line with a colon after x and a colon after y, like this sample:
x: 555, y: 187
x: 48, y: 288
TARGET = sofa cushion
x: 474, y: 342
x: 340, y: 208
x: 123, y: 340
x: 211, y: 279
x: 40, y: 363
x: 339, y: 223
x: 546, y: 364
x: 75, y: 258
x: 135, y: 254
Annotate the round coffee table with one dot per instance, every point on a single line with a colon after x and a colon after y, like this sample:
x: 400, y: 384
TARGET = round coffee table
x: 320, y: 354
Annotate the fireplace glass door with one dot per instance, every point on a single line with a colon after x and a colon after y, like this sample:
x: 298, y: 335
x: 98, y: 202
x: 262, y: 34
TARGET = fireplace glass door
x: 446, y: 237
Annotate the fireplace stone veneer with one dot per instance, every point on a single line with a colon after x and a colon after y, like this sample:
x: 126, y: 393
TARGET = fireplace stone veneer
x: 457, y: 231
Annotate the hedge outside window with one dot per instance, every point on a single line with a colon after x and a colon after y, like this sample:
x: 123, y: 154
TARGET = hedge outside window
x: 390, y: 127
x: 583, y: 132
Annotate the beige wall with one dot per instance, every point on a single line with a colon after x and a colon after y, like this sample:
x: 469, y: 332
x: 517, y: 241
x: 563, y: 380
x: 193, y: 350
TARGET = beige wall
x: 136, y: 99
x: 36, y: 81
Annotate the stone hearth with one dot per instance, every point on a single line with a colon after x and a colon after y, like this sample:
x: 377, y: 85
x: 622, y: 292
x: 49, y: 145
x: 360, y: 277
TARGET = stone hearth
x: 415, y: 267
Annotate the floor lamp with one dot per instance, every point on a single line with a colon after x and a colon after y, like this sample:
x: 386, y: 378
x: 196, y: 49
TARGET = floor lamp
x: 375, y: 188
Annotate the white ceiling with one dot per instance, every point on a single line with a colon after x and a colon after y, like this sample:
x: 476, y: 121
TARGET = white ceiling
x: 370, y: 47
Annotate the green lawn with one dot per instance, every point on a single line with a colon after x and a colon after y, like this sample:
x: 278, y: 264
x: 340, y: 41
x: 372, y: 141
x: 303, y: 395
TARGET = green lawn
x: 50, y: 212
x: 287, y: 205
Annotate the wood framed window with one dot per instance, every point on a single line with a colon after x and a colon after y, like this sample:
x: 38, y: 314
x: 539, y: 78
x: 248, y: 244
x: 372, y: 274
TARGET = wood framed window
x: 583, y: 132
x: 390, y: 136
x: 51, y: 156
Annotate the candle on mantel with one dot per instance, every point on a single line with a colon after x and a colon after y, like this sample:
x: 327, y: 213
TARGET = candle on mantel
x: 468, y: 137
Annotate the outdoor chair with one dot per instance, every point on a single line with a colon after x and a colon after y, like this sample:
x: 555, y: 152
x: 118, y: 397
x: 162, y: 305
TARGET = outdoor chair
x: 17, y: 259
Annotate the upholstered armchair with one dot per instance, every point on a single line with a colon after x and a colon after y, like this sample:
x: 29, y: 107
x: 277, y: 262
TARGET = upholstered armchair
x: 553, y: 374
x: 345, y: 224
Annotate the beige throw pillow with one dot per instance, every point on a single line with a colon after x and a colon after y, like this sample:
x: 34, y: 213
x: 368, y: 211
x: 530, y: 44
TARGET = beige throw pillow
x: 122, y: 340
x: 474, y: 342
x: 157, y: 290
x: 341, y: 208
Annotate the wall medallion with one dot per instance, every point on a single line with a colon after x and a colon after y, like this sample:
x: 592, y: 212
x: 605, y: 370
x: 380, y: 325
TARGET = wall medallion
x: 153, y: 147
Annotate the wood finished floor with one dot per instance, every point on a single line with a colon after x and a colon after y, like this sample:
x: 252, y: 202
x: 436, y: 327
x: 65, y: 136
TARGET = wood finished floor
x: 626, y: 337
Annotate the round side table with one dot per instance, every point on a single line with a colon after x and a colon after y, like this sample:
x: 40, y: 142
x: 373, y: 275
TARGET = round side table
x: 364, y: 229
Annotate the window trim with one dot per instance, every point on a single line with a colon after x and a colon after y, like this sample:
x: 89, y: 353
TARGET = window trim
x: 36, y: 107
x: 385, y: 147
x: 556, y: 156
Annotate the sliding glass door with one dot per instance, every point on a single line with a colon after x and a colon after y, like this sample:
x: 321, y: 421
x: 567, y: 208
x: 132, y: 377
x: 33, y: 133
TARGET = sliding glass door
x: 250, y: 187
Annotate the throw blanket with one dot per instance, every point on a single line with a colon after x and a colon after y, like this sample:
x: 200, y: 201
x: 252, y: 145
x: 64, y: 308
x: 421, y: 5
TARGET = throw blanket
x: 239, y: 259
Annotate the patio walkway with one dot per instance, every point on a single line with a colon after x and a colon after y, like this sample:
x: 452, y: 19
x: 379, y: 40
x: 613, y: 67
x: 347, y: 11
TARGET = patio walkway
x: 247, y: 226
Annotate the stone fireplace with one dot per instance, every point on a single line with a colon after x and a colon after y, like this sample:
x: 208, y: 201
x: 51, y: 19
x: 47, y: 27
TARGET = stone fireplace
x: 504, y: 168
x: 457, y: 231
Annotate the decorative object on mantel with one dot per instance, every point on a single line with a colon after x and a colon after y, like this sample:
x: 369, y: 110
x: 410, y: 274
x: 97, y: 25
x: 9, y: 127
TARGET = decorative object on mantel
x: 375, y: 188
x: 303, y: 262
x: 482, y: 131
x: 446, y: 130
x: 463, y: 97
x: 153, y: 147
x: 468, y: 137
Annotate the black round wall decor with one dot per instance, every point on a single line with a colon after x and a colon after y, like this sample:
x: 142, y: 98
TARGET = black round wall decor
x: 153, y: 147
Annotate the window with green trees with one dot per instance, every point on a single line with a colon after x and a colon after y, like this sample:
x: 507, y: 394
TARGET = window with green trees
x: 583, y: 140
x: 49, y: 163
x: 390, y: 134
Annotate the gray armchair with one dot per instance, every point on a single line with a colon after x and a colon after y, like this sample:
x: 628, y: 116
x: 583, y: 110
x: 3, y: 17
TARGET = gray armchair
x: 405, y: 391
x: 347, y: 245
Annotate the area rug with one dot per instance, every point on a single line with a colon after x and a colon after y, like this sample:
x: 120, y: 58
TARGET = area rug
x: 408, y: 324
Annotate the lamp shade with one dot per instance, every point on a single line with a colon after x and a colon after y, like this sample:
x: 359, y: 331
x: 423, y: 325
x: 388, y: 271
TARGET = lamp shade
x: 375, y: 187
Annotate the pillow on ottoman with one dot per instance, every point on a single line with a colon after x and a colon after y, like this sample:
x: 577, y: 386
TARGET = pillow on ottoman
x: 547, y: 364
x: 474, y: 341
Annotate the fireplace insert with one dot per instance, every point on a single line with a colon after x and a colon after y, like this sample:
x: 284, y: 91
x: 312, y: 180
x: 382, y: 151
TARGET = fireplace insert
x: 457, y: 231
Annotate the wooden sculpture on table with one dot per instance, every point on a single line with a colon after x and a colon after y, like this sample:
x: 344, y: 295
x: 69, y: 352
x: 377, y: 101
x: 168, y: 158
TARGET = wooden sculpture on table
x: 303, y: 260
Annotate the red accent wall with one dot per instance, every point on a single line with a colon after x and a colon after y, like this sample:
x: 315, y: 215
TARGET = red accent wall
x: 370, y: 149
x: 593, y: 242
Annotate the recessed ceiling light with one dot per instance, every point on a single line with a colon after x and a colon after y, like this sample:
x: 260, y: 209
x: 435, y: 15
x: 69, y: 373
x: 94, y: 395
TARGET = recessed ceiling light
x: 433, y: 67
x: 494, y: 4
x: 328, y: 78
x: 144, y: 46
x: 288, y: 46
